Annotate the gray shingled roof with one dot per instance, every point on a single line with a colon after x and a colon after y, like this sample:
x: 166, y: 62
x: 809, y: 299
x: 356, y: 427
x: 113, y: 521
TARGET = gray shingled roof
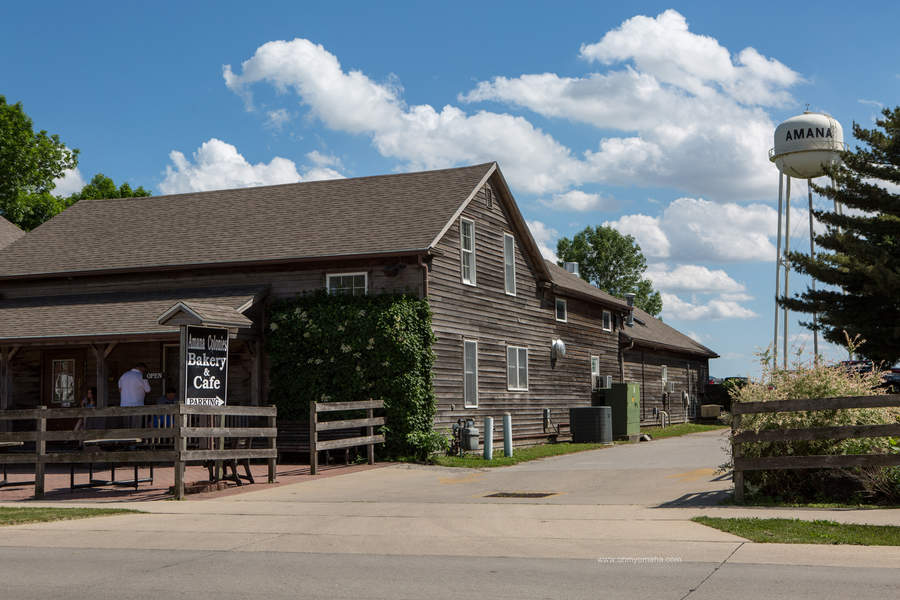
x: 9, y: 233
x: 654, y: 332
x: 646, y: 329
x: 568, y: 281
x: 111, y: 315
x: 364, y: 215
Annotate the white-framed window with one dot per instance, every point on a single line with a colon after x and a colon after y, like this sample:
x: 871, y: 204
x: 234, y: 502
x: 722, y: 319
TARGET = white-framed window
x: 509, y: 263
x: 607, y: 320
x: 352, y: 284
x: 517, y: 368
x: 470, y: 373
x: 562, y: 310
x: 664, y: 370
x: 595, y: 366
x: 467, y: 250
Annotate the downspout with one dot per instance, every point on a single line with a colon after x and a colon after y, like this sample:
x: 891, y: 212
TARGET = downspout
x: 622, y: 351
x: 424, y: 267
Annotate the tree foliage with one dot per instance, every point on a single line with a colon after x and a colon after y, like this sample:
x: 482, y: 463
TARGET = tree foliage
x: 29, y: 162
x: 613, y: 262
x: 102, y: 187
x: 861, y: 259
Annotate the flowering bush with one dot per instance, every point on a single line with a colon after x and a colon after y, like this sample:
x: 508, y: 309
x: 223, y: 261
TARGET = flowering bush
x: 328, y: 348
x: 805, y: 485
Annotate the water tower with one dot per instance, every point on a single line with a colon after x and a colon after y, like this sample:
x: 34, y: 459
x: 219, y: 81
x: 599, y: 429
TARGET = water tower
x: 804, y: 146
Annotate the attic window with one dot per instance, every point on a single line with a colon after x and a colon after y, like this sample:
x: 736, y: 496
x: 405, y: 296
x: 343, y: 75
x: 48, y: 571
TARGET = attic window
x: 351, y: 284
x: 488, y: 197
x: 607, y: 320
x: 561, y: 310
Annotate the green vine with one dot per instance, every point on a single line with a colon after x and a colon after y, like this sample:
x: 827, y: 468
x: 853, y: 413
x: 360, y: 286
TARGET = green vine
x: 328, y: 348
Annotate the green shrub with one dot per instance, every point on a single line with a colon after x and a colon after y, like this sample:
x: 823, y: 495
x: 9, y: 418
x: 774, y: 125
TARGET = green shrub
x: 328, y: 348
x: 812, y: 485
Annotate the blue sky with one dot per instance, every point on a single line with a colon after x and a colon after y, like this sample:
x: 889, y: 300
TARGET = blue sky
x: 655, y: 118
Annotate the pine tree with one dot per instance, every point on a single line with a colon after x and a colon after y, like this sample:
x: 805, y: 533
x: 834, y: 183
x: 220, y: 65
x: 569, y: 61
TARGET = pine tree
x: 859, y: 253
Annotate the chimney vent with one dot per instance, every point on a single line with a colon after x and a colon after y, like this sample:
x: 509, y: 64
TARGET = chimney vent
x: 572, y: 267
x: 629, y: 319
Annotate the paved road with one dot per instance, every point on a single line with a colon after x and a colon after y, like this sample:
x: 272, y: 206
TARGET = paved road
x: 616, y: 526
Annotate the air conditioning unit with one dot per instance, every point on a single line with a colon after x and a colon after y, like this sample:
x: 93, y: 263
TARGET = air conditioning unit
x: 602, y: 382
x: 670, y: 386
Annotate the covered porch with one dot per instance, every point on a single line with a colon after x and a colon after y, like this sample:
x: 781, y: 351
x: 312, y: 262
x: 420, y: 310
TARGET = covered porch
x: 55, y: 350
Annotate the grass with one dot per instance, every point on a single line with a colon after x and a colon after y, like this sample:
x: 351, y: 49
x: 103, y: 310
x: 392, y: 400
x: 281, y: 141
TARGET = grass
x: 475, y: 460
x: 519, y: 455
x: 22, y: 515
x: 681, y: 429
x: 794, y: 531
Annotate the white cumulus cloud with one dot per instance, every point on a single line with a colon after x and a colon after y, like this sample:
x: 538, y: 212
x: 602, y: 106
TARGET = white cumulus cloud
x: 544, y: 236
x: 672, y: 108
x: 693, y: 278
x: 694, y: 229
x: 716, y: 308
x: 691, y: 116
x: 580, y: 201
x: 217, y: 165
x: 70, y: 182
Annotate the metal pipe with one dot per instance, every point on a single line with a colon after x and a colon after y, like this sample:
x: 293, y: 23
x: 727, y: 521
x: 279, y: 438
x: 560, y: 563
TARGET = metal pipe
x: 812, y: 255
x: 777, y: 271
x: 507, y: 435
x: 787, y: 264
x: 489, y: 438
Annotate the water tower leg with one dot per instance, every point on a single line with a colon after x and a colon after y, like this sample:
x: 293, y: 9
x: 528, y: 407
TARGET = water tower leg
x: 777, y: 270
x: 812, y: 254
x: 787, y: 264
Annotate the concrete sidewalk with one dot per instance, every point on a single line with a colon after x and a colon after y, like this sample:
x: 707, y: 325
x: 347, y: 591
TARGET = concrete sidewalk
x: 617, y: 524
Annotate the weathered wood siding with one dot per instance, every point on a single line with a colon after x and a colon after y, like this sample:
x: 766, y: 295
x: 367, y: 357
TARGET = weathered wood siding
x: 486, y: 314
x: 689, y: 373
x: 283, y: 282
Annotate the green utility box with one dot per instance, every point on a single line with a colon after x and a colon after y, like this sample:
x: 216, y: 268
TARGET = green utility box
x: 625, y: 401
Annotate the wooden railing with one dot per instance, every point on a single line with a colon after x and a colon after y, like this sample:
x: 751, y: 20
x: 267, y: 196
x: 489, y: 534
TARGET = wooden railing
x: 829, y: 461
x: 370, y: 422
x: 175, y: 440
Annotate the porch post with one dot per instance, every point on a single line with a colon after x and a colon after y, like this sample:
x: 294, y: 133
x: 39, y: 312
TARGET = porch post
x: 4, y: 385
x: 101, y: 353
x: 255, y: 369
x: 6, y: 356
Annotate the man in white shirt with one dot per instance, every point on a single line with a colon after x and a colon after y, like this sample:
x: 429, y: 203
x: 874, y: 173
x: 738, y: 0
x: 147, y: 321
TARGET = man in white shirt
x: 132, y: 389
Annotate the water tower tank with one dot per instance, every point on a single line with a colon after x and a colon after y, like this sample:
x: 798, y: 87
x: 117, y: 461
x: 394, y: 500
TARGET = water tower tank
x: 806, y: 143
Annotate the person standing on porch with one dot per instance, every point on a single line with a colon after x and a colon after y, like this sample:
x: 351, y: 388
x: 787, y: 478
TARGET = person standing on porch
x: 132, y: 389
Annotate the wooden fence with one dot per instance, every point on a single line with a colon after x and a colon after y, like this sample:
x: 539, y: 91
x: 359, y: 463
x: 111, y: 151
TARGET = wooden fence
x: 841, y: 432
x: 176, y: 439
x: 370, y: 422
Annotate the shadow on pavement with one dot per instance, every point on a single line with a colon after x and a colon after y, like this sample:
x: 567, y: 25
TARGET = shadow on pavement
x: 713, y: 498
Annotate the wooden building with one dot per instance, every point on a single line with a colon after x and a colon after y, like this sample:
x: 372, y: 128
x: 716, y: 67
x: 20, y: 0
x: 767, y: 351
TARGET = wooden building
x: 82, y: 296
x: 672, y: 368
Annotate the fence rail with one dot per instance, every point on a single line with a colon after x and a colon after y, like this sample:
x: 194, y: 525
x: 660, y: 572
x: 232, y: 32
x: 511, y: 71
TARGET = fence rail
x: 178, y: 426
x: 370, y: 422
x: 840, y: 432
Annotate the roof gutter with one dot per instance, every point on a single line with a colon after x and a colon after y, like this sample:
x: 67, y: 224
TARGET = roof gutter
x: 661, y: 346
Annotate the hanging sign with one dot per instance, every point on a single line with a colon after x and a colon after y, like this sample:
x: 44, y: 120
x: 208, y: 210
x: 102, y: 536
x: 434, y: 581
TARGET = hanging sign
x: 206, y: 366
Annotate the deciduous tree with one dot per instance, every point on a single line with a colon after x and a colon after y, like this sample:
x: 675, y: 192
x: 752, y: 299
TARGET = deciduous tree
x: 613, y: 262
